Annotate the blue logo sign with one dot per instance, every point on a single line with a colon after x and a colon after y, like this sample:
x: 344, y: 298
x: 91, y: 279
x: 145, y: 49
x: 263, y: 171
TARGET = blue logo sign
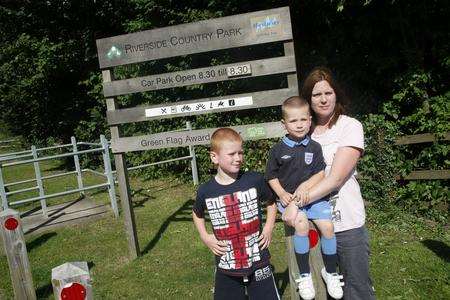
x: 267, y: 23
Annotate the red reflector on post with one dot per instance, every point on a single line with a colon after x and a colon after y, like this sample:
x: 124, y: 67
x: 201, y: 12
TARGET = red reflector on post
x: 11, y: 224
x: 313, y: 236
x: 73, y: 292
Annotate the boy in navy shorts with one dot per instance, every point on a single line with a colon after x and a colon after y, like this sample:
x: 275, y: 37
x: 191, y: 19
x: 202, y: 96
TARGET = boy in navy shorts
x: 239, y: 241
x: 296, y: 164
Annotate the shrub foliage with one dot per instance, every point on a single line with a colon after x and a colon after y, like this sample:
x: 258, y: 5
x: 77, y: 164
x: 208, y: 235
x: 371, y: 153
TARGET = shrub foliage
x: 392, y: 57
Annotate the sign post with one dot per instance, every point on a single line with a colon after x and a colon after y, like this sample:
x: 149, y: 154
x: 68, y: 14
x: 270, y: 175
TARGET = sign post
x: 16, y: 253
x: 122, y: 177
x: 250, y: 29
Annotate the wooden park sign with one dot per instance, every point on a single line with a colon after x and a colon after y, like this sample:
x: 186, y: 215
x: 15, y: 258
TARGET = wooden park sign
x: 256, y: 28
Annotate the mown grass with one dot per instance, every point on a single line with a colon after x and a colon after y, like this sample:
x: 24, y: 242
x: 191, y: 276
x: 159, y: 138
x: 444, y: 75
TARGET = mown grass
x: 410, y: 256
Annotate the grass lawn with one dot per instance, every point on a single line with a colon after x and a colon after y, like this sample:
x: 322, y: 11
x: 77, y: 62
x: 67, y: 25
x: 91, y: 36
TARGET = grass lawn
x: 410, y: 257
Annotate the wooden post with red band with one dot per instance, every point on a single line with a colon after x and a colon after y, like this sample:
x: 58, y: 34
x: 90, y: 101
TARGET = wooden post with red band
x: 16, y: 252
x: 315, y: 262
x: 71, y: 281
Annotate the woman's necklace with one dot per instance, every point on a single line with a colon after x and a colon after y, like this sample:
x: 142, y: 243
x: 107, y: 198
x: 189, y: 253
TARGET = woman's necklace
x: 322, y: 128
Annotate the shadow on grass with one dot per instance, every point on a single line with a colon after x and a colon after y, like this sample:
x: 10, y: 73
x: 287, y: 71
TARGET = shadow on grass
x: 44, y: 291
x: 40, y: 240
x: 100, y: 191
x: 90, y: 264
x: 441, y: 249
x: 281, y: 281
x: 181, y: 214
x: 144, y: 197
x: 163, y: 185
x: 145, y: 193
x: 61, y: 166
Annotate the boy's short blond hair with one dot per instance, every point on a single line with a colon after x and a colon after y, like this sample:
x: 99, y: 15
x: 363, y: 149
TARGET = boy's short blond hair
x: 224, y: 135
x: 293, y: 102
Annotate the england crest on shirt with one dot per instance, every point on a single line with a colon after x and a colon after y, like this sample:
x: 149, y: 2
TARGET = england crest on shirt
x: 308, y: 157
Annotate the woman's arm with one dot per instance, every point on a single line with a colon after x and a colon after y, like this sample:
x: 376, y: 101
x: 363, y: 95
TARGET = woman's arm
x: 344, y: 162
x: 306, y: 185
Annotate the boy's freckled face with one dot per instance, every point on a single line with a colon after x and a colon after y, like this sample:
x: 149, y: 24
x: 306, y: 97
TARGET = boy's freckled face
x: 297, y: 121
x: 229, y: 157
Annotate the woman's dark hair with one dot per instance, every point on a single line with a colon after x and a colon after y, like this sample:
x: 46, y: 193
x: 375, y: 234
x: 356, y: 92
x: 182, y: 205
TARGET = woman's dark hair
x: 320, y: 74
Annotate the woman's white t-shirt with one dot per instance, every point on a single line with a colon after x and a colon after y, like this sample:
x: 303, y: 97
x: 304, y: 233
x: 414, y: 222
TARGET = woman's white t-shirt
x: 347, y: 204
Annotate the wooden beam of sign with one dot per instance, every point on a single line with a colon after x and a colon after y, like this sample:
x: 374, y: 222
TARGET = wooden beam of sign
x: 428, y: 175
x: 284, y: 64
x: 233, y: 31
x: 192, y: 138
x: 200, y: 106
x: 419, y: 138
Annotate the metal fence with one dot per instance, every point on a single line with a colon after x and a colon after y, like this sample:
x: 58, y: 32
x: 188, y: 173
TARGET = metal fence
x: 6, y: 143
x: 34, y: 156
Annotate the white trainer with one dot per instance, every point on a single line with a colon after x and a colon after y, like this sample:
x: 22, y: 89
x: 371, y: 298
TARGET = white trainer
x: 334, y: 284
x: 306, y: 287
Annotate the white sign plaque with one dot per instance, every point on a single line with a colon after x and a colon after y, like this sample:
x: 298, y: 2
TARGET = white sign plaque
x: 198, y: 106
x: 239, y: 70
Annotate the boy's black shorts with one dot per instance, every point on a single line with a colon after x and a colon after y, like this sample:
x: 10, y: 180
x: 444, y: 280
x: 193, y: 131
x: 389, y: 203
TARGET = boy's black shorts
x: 260, y: 285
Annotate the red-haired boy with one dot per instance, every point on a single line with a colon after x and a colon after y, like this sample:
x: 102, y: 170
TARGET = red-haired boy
x: 239, y: 241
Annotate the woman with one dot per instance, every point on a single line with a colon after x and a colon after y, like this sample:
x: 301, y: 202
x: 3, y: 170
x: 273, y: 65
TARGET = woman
x: 342, y: 141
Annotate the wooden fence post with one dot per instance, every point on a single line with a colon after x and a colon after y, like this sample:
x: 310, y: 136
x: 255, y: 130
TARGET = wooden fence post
x: 122, y: 178
x: 16, y: 252
x: 72, y: 281
x: 315, y: 262
x: 291, y: 261
x: 316, y: 265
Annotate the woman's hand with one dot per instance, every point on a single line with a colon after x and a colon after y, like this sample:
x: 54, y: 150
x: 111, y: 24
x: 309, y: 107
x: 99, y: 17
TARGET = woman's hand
x: 285, y: 198
x: 344, y: 163
x: 303, y: 198
x: 301, y: 195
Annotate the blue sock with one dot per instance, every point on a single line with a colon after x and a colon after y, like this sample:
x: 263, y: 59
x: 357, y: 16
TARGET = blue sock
x: 328, y: 245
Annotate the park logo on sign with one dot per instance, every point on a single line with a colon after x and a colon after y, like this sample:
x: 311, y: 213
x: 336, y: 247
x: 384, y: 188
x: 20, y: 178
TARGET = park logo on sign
x: 114, y: 52
x: 266, y: 25
x: 308, y: 157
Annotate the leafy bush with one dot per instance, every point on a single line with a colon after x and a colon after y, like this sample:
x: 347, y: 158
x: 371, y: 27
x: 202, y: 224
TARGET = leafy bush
x: 410, y: 111
x: 381, y: 162
x: 425, y: 198
x: 50, y: 84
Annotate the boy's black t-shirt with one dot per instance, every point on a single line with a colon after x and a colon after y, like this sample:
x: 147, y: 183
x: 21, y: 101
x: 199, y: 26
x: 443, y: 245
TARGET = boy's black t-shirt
x: 235, y: 213
x: 294, y: 164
